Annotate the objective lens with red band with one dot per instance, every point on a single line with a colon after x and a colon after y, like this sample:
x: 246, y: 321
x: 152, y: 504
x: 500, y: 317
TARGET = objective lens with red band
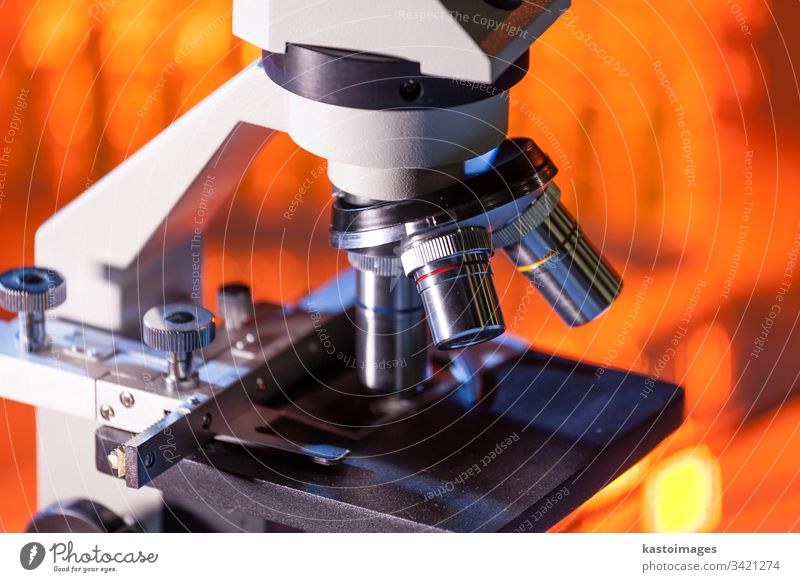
x: 454, y: 280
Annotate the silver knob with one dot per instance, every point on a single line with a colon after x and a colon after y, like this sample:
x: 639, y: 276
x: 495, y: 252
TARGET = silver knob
x: 179, y: 329
x: 235, y: 304
x: 30, y: 291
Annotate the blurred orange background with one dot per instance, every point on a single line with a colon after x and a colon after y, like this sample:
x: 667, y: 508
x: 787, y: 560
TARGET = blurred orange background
x: 675, y: 125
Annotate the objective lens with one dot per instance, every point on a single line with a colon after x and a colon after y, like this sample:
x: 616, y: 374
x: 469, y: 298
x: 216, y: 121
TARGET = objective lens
x: 563, y: 265
x: 454, y: 279
x: 391, y: 337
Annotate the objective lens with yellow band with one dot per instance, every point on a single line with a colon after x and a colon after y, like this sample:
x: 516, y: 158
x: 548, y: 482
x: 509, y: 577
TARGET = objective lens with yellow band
x: 565, y: 267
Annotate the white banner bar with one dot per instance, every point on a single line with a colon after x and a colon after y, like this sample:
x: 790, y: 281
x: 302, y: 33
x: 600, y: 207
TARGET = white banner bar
x: 400, y: 557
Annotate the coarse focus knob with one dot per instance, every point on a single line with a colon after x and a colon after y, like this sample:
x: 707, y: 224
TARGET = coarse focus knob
x: 30, y: 291
x: 178, y: 329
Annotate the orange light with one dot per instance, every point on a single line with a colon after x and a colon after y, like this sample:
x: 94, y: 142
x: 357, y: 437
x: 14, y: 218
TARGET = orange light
x: 708, y: 364
x: 683, y: 493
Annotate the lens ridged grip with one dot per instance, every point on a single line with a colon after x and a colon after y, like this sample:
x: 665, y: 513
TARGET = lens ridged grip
x: 381, y: 265
x: 457, y: 242
x: 529, y: 219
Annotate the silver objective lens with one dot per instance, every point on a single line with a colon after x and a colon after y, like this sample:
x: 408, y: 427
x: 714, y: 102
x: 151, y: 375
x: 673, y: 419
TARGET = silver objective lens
x: 549, y: 249
x: 454, y: 279
x: 391, y: 336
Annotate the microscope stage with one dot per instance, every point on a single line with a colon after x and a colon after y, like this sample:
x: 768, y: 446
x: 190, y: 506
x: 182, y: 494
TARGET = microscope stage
x: 539, y: 437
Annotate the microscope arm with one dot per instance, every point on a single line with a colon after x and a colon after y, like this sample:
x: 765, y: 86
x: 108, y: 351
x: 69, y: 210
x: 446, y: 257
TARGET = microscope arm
x: 145, y: 220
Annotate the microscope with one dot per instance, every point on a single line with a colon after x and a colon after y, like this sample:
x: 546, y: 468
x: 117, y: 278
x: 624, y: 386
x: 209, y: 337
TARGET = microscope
x: 390, y: 399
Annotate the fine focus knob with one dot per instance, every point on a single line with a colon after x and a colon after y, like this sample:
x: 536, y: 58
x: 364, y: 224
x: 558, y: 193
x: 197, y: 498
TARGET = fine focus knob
x: 30, y: 291
x: 178, y: 329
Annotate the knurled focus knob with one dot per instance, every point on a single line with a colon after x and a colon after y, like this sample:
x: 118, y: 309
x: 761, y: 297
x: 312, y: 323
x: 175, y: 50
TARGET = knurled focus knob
x: 178, y: 329
x: 30, y: 291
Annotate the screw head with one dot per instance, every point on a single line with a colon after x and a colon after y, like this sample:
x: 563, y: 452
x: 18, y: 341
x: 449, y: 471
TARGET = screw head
x: 410, y: 90
x: 106, y: 412
x: 127, y: 399
x: 206, y: 421
x: 178, y: 327
x: 31, y: 289
x: 116, y: 462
